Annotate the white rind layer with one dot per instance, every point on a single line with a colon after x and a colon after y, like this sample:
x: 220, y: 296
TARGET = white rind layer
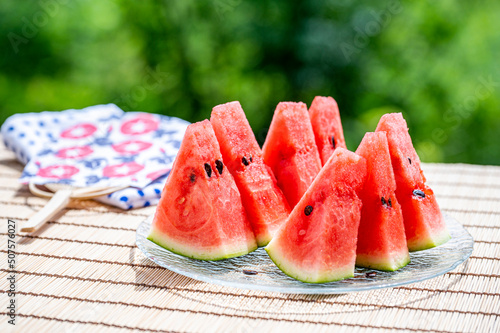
x: 301, y: 274
x: 225, y: 251
x: 390, y: 263
x: 430, y: 242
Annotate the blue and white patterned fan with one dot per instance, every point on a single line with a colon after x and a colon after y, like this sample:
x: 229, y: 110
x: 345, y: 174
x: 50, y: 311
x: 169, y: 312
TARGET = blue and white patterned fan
x: 97, y: 147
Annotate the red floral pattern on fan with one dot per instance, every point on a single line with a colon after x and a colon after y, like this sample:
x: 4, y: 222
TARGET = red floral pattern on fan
x: 79, y: 131
x: 101, y: 146
x: 157, y: 174
x: 131, y: 147
x: 139, y: 125
x: 122, y: 170
x: 75, y: 152
x: 58, y: 171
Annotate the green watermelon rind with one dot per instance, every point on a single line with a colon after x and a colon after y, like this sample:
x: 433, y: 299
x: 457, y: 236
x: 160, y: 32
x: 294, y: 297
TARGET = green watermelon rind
x: 217, y: 254
x: 429, y: 242
x: 265, y: 238
x: 390, y: 264
x: 299, y: 273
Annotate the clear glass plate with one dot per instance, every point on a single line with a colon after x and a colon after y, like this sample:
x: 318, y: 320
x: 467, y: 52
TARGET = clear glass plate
x: 235, y: 272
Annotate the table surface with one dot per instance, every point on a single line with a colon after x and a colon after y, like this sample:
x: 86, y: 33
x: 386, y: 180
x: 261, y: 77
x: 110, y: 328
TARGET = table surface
x: 83, y: 272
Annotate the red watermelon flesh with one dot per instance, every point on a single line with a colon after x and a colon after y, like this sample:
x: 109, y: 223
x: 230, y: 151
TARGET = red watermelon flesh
x: 290, y: 150
x: 424, y: 224
x: 263, y: 200
x: 317, y: 243
x: 327, y: 127
x: 381, y: 235
x: 200, y: 214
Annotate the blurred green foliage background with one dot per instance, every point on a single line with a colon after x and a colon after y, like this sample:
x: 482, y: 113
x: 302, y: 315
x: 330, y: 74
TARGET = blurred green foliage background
x: 435, y: 61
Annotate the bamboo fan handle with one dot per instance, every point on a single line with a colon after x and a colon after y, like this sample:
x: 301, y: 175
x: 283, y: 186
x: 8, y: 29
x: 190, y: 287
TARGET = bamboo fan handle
x: 60, y: 199
x: 55, y: 205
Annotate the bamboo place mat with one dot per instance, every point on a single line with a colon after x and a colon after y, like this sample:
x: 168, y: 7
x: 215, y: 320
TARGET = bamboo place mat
x: 83, y: 273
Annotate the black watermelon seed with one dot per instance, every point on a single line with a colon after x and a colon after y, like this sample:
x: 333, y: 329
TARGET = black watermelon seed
x: 192, y: 178
x: 244, y: 160
x: 250, y: 272
x: 409, y: 159
x: 384, y: 202
x: 390, y: 202
x: 308, y: 210
x: 419, y: 193
x: 219, y: 165
x: 208, y: 170
x: 370, y: 274
x: 333, y: 141
x: 251, y: 159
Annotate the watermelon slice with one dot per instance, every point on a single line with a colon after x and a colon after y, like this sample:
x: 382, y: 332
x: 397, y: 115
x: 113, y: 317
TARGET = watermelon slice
x: 290, y: 150
x: 424, y: 223
x: 327, y: 127
x: 317, y: 243
x: 263, y: 200
x: 200, y: 214
x: 381, y: 235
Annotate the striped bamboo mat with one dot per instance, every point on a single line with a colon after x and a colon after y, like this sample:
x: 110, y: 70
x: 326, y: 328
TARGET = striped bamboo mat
x: 83, y: 272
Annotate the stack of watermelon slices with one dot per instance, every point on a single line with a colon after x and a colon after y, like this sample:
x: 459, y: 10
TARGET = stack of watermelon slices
x: 225, y: 196
x: 220, y: 200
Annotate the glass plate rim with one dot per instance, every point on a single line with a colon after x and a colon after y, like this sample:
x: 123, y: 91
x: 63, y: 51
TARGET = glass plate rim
x: 145, y: 224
